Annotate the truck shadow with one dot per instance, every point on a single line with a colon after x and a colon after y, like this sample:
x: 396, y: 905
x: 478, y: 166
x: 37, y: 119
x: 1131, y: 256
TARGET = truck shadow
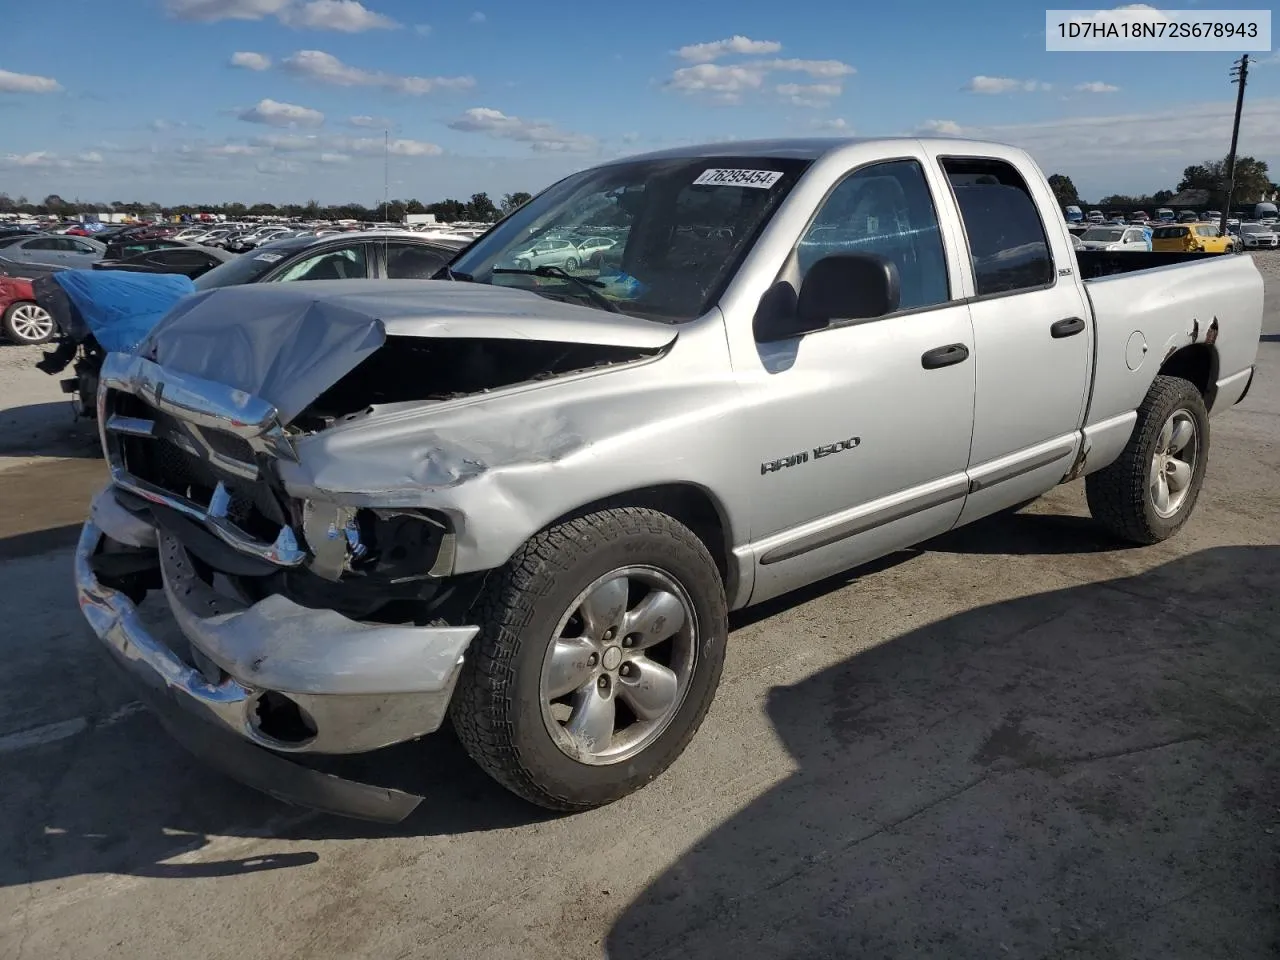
x: 1085, y: 772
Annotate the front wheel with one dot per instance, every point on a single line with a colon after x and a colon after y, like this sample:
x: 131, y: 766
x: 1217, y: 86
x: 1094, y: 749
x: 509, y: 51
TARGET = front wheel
x: 571, y: 264
x: 1149, y: 492
x: 28, y: 323
x: 601, y: 646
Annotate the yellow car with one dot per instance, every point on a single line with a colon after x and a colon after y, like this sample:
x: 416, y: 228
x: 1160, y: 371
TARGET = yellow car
x: 1190, y: 238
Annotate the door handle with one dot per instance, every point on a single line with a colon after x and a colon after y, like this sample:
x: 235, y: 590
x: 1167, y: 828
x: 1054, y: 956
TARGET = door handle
x: 1066, y: 328
x: 944, y: 356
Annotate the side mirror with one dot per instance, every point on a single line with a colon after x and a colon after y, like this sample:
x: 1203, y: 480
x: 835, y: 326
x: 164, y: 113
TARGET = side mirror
x: 848, y: 286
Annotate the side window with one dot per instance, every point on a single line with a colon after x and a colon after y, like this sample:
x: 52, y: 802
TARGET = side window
x: 1008, y: 245
x: 346, y: 263
x: 79, y: 247
x: 412, y: 261
x: 884, y: 209
x: 44, y: 243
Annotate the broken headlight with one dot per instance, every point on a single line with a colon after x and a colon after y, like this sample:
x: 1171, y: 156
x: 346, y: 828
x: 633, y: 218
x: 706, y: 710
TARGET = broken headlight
x: 399, y: 544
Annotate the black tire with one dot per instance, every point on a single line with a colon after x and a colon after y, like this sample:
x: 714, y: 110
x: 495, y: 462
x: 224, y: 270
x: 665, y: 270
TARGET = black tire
x: 497, y: 710
x: 570, y: 265
x: 523, y: 265
x: 17, y: 334
x: 1119, y: 495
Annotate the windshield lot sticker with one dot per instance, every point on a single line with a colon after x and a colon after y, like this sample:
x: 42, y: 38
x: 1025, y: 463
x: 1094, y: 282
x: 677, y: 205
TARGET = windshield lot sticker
x: 761, y: 179
x: 269, y: 257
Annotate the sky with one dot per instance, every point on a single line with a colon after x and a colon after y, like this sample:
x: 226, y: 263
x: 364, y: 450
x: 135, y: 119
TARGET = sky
x: 188, y: 101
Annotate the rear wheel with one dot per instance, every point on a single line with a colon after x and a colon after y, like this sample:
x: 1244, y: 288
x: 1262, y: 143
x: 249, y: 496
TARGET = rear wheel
x: 601, y: 647
x: 26, y: 323
x: 1150, y: 491
x: 571, y: 264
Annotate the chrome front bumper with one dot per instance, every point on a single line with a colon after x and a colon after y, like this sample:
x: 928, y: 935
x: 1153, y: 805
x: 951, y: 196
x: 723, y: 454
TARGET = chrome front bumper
x: 362, y: 686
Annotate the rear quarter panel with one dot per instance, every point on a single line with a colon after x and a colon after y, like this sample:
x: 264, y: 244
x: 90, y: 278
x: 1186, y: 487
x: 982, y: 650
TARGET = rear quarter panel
x: 1165, y: 309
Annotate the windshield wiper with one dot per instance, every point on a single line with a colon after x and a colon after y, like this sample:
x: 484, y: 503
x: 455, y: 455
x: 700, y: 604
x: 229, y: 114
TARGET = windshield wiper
x: 587, y: 286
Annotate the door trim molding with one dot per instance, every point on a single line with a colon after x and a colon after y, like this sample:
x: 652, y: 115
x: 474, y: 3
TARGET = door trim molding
x: 1024, y: 461
x: 848, y: 523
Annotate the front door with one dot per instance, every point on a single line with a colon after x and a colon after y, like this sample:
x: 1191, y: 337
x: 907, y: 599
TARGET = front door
x: 1033, y: 334
x: 861, y: 430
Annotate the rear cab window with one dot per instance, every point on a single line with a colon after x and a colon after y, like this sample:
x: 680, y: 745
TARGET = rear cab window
x: 1008, y: 245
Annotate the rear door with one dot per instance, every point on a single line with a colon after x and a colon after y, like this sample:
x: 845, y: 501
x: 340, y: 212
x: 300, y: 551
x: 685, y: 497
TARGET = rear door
x: 1032, y: 334
x: 48, y: 251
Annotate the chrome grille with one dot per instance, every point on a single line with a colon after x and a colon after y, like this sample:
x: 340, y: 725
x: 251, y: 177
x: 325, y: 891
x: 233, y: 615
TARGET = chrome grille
x: 196, y: 446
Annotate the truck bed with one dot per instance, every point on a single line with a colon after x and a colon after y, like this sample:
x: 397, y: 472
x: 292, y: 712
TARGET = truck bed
x: 1108, y: 263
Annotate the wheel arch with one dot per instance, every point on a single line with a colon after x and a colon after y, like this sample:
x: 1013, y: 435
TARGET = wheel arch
x: 1198, y: 364
x: 689, y: 503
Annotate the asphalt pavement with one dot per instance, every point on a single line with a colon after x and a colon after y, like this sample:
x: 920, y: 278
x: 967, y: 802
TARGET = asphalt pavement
x: 1019, y: 740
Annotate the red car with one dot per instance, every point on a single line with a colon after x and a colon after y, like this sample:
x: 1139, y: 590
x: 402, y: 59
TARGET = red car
x: 24, y: 321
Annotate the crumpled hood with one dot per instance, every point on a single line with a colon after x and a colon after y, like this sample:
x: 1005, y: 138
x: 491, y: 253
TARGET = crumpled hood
x: 289, y: 342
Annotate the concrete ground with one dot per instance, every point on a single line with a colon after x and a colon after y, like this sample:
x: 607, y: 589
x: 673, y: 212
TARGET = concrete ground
x: 1017, y: 740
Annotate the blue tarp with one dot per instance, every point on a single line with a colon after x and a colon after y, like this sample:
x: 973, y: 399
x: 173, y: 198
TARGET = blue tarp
x: 120, y: 307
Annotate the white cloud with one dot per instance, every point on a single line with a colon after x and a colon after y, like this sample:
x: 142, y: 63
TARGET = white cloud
x: 326, y: 68
x: 727, y: 83
x: 539, y: 134
x: 234, y: 150
x: 706, y: 52
x: 814, y: 68
x: 398, y: 148
x: 808, y: 94
x: 334, y: 158
x: 250, y: 61
x: 1125, y: 13
x: 161, y: 125
x: 997, y: 85
x: 27, y: 83
x: 211, y: 11
x: 834, y: 125
x: 345, y: 16
x: 277, y: 114
x: 478, y: 17
x: 48, y: 160
x: 940, y: 128
x: 288, y: 142
x: 274, y: 165
x: 371, y: 123
x: 1095, y: 86
x: 422, y: 29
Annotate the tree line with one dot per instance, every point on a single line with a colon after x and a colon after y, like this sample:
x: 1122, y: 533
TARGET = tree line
x: 1252, y: 184
x: 480, y: 208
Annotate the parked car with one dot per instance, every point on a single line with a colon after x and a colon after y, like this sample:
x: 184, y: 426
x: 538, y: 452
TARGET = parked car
x: 1258, y: 236
x: 1189, y: 216
x: 55, y: 251
x: 547, y: 253
x: 1139, y: 216
x: 1114, y: 238
x: 1096, y: 216
x: 591, y: 249
x: 1190, y: 238
x: 347, y: 256
x: 23, y: 320
x: 190, y: 260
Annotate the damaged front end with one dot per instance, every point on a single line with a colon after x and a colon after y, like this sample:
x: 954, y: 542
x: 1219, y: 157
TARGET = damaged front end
x: 306, y: 624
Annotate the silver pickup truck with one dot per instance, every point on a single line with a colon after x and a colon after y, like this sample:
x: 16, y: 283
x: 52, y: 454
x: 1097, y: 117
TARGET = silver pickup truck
x: 527, y: 497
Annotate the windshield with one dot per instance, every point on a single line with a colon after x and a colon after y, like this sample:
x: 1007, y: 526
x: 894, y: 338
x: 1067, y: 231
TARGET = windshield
x: 246, y: 268
x: 1110, y: 236
x: 1254, y: 228
x: 679, y: 228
